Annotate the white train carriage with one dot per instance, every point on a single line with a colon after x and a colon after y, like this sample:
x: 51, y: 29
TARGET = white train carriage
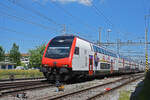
x: 83, y: 58
x: 109, y: 62
x: 72, y: 56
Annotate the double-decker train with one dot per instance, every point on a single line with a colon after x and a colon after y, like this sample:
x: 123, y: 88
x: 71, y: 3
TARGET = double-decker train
x: 69, y: 57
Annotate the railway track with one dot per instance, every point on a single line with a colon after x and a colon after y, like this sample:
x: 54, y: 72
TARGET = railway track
x: 94, y: 92
x: 14, y: 87
x: 20, y: 79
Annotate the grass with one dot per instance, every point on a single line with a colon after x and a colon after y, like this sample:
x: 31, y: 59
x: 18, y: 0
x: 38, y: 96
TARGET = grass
x: 124, y: 95
x: 145, y: 92
x: 5, y: 74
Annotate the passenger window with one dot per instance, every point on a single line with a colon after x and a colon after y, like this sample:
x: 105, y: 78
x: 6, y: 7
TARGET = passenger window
x: 76, y: 51
x: 104, y: 66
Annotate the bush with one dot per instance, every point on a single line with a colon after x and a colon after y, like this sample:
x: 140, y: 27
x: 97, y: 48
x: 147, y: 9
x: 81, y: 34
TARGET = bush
x: 4, y: 74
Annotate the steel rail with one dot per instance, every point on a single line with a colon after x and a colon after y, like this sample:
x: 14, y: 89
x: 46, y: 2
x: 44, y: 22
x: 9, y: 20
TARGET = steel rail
x: 112, y: 89
x: 82, y: 90
x: 24, y: 89
x: 4, y: 80
x: 11, y: 86
x: 20, y: 86
x: 22, y: 82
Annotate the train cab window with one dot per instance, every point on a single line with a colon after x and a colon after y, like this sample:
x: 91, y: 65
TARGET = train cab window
x: 59, y: 47
x: 76, y: 51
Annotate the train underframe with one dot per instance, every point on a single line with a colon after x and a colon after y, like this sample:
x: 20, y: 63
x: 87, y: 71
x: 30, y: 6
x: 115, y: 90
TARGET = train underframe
x: 54, y: 74
x: 64, y: 74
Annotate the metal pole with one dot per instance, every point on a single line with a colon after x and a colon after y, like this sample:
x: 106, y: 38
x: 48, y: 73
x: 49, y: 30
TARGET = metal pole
x: 64, y: 30
x: 146, y: 46
x: 107, y: 36
x: 100, y: 35
x: 118, y: 46
x: 146, y: 53
x: 108, y: 30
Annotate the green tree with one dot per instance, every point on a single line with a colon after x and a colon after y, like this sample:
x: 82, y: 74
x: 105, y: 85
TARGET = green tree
x: 14, y: 54
x: 36, y: 56
x: 2, y: 54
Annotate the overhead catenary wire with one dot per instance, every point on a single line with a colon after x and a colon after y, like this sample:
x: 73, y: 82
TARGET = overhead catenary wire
x: 25, y: 20
x: 100, y: 13
x: 35, y: 12
x: 9, y: 8
x: 10, y: 30
x: 68, y: 13
x: 45, y: 8
x: 75, y: 17
x: 17, y: 32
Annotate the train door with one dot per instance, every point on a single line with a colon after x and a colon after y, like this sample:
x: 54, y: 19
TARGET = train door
x: 111, y: 66
x: 76, y: 57
x: 90, y: 65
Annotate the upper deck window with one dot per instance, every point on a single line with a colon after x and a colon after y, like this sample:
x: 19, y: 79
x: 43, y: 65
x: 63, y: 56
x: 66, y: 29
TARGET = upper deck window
x: 103, y: 51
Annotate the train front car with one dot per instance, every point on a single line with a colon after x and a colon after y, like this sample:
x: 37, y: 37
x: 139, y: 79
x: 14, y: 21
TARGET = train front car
x: 57, y: 58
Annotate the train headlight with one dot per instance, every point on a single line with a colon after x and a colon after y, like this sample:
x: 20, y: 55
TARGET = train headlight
x: 45, y: 65
x: 65, y: 65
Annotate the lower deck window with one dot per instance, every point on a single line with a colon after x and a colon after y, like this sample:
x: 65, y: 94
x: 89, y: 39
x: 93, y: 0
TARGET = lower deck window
x: 104, y: 66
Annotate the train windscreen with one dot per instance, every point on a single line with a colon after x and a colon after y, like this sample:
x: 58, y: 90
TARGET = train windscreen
x: 59, y: 47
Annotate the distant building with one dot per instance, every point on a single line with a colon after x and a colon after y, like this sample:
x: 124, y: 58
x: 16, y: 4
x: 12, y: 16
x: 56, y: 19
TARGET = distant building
x: 7, y: 65
x: 24, y: 58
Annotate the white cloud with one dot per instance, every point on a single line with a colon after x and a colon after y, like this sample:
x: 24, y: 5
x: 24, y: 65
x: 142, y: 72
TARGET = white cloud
x: 84, y: 2
x: 102, y: 1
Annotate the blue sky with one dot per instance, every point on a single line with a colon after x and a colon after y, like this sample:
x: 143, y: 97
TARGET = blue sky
x: 37, y: 21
